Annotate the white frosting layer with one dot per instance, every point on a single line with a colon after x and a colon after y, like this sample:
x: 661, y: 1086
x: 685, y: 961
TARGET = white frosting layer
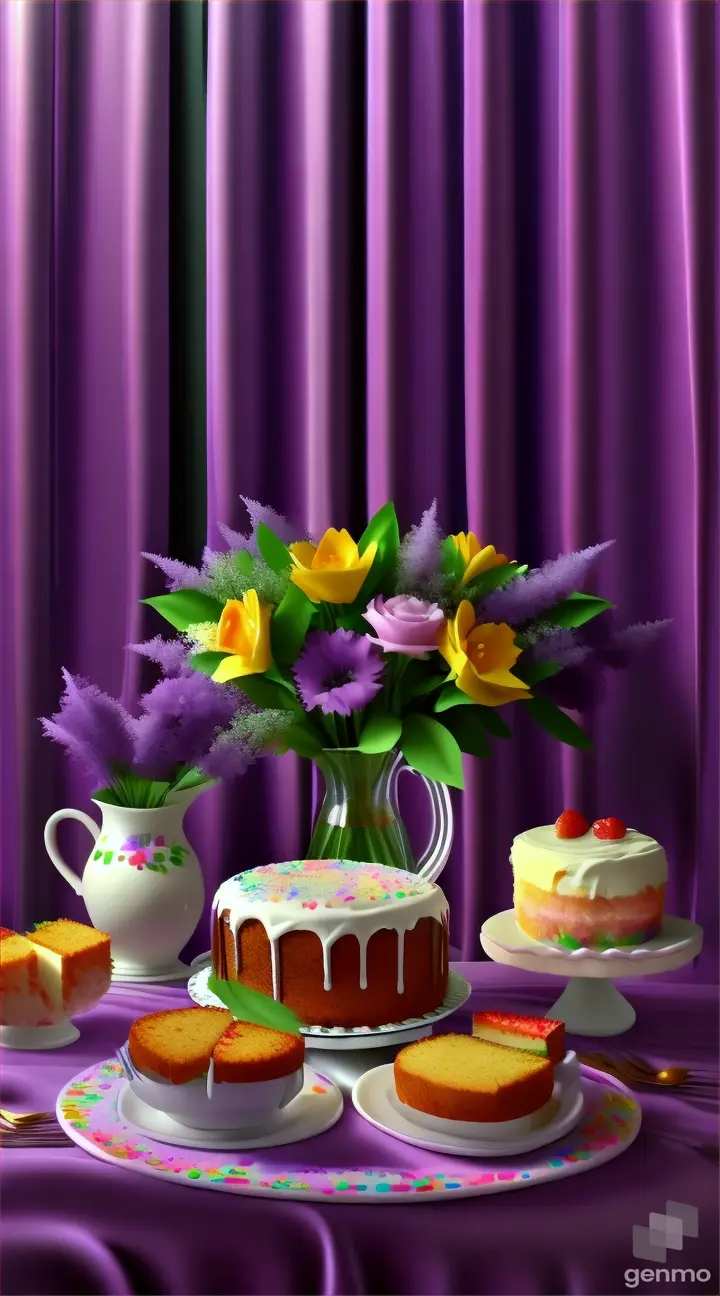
x: 349, y: 899
x: 587, y: 865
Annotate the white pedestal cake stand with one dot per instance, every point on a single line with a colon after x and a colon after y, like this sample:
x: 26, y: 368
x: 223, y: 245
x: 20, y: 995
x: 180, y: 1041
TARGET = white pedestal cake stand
x: 590, y: 1004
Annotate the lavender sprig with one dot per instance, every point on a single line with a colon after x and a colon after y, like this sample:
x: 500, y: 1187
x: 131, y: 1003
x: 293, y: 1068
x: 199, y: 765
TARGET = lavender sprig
x: 527, y: 597
x: 93, y: 727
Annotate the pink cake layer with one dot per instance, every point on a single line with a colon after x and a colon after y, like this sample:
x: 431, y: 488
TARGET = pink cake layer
x: 592, y: 923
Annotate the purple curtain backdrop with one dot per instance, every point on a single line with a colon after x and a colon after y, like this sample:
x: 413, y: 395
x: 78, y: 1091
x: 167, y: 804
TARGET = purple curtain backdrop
x: 464, y: 251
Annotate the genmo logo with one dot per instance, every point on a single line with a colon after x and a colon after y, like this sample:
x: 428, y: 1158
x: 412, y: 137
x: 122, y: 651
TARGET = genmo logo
x: 661, y: 1234
x: 633, y: 1277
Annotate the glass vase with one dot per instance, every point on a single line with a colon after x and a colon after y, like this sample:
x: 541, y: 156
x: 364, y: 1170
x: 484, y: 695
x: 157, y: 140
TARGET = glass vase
x: 360, y: 819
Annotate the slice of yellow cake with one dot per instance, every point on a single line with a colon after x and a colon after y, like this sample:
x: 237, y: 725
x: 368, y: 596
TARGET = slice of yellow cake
x: 20, y: 999
x: 463, y: 1078
x: 74, y: 963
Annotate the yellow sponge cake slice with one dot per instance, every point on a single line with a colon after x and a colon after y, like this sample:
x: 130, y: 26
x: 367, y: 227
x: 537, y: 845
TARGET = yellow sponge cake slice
x: 75, y: 964
x: 20, y: 999
x: 459, y: 1077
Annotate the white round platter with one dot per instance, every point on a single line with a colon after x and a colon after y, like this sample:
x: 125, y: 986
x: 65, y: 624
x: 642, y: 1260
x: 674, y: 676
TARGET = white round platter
x: 39, y: 1037
x: 357, y: 1037
x: 336, y: 1169
x: 176, y: 971
x: 312, y: 1112
x: 375, y: 1098
x: 590, y: 1004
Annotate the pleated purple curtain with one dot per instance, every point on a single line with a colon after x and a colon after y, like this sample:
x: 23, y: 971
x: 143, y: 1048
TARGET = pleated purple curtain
x: 463, y: 251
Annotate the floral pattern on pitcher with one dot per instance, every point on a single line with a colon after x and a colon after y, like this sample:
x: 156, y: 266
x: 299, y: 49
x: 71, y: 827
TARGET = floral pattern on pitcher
x: 144, y: 851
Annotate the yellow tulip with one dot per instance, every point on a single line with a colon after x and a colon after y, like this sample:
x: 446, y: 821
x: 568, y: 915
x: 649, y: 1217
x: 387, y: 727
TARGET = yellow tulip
x: 243, y: 631
x: 480, y: 656
x: 334, y: 570
x: 476, y: 558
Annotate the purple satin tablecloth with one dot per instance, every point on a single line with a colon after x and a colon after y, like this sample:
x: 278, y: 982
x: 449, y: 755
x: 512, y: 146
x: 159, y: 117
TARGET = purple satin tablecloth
x: 72, y: 1224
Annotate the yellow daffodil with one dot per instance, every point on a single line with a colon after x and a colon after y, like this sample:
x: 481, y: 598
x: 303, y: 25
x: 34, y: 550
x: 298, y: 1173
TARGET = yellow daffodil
x: 243, y: 631
x: 334, y: 570
x: 476, y: 558
x: 480, y: 656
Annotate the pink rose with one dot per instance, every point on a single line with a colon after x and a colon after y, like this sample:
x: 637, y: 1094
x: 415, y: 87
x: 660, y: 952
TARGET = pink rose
x: 405, y: 624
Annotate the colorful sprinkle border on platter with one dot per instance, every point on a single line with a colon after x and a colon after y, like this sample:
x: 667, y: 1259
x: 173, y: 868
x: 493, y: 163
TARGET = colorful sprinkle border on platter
x: 89, y: 1107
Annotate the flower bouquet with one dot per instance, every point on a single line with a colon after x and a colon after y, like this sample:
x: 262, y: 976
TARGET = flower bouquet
x: 355, y: 652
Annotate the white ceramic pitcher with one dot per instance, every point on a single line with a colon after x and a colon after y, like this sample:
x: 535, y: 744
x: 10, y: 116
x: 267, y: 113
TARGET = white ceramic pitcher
x: 142, y: 884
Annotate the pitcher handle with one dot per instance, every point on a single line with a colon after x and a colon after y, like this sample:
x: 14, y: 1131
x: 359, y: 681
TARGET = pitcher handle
x: 51, y: 845
x: 433, y: 861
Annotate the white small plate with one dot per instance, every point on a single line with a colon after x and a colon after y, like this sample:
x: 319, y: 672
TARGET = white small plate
x: 39, y: 1037
x: 316, y: 1109
x: 375, y: 1098
x: 357, y: 1037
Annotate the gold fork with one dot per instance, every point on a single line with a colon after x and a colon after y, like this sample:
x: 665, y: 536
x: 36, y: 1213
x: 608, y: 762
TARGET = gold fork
x: 21, y: 1120
x: 636, y: 1071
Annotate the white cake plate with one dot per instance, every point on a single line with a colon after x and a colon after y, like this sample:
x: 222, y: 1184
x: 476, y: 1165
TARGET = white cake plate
x: 375, y: 1098
x: 39, y: 1037
x: 590, y: 1004
x: 357, y: 1037
x: 175, y: 971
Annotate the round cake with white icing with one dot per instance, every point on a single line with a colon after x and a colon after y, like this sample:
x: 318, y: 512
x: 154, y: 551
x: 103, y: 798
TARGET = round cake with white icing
x: 340, y: 942
x: 589, y: 890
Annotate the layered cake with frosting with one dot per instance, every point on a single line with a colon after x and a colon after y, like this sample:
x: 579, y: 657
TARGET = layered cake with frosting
x: 599, y: 888
x: 341, y: 943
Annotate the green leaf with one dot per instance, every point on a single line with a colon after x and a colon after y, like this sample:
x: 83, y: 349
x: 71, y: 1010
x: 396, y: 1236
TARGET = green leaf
x: 194, y: 778
x: 576, y: 610
x: 207, y: 662
x: 492, y: 722
x: 186, y: 607
x: 431, y: 750
x: 466, y: 728
x: 156, y: 868
x: 243, y: 562
x: 535, y: 672
x: 97, y: 855
x: 298, y: 739
x: 289, y: 625
x: 108, y: 857
x: 495, y: 578
x: 418, y: 680
x: 452, y: 696
x: 453, y: 563
x: 106, y: 796
x: 264, y: 693
x: 276, y: 554
x: 251, y: 1006
x: 383, y: 529
x: 380, y: 733
x: 556, y: 722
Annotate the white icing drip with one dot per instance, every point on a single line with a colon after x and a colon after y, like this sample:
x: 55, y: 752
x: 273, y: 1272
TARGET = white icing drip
x: 210, y: 1077
x: 401, y: 961
x: 327, y: 979
x: 363, y: 963
x: 361, y: 919
x: 274, y: 941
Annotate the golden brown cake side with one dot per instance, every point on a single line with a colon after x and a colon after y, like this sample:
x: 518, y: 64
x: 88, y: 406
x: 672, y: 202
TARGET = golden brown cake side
x: 301, y: 974
x: 177, y: 1044
x: 75, y: 964
x: 458, y: 1077
x: 247, y: 1054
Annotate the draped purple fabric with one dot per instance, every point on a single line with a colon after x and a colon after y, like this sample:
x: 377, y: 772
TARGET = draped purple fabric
x: 464, y: 251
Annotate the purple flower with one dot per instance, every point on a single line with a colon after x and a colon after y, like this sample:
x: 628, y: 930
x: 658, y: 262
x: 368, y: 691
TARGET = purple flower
x: 419, y: 556
x: 235, y: 540
x: 171, y: 655
x: 561, y: 646
x: 258, y: 513
x: 181, y: 719
x: 338, y: 672
x: 227, y: 759
x: 178, y: 575
x: 93, y: 727
x: 404, y: 624
x: 527, y: 597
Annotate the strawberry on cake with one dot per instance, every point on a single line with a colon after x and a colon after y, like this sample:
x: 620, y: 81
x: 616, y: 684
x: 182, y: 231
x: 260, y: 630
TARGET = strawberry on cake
x: 581, y: 887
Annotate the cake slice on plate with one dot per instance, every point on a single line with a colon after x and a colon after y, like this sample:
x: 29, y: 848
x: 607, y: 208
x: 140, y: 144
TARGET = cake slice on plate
x: 539, y: 1035
x: 179, y: 1044
x: 459, y: 1077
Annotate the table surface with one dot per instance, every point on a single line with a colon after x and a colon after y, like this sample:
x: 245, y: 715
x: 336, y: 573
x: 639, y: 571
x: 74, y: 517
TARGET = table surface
x: 72, y: 1224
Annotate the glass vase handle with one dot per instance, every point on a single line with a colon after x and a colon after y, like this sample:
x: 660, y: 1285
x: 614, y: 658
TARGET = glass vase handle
x: 435, y: 857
